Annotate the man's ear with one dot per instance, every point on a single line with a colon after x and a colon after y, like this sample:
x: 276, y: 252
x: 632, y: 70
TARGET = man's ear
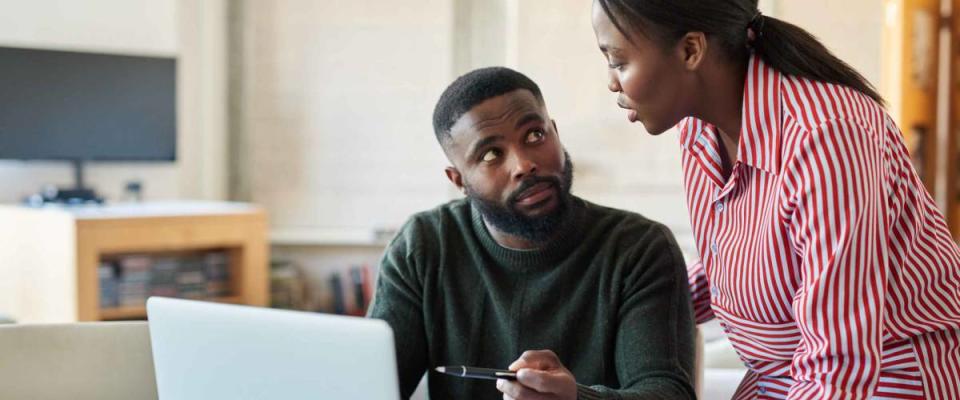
x: 693, y: 49
x: 455, y: 178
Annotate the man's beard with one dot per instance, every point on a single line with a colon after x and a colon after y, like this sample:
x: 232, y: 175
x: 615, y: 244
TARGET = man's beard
x: 508, y: 219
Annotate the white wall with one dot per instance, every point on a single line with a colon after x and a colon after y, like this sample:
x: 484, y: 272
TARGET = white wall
x: 617, y: 163
x: 620, y: 164
x: 335, y: 112
x: 852, y: 29
x: 322, y: 77
x: 189, y: 30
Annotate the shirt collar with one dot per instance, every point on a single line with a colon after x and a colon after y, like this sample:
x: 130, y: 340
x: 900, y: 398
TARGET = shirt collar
x: 760, y: 127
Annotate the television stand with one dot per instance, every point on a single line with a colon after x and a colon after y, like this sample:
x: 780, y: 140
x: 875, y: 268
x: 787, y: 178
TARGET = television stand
x: 75, y: 196
x: 79, y: 194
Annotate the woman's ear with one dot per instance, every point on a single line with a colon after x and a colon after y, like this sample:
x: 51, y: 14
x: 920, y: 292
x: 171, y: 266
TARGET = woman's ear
x: 693, y: 50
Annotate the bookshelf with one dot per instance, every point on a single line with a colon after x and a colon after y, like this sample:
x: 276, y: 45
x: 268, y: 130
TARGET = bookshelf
x: 952, y: 163
x: 49, y: 257
x: 910, y: 79
x: 920, y: 87
x: 127, y: 313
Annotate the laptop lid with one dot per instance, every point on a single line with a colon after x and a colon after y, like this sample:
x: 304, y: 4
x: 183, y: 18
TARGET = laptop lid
x: 215, y: 351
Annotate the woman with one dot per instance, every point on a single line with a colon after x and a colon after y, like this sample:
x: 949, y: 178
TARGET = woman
x: 826, y: 261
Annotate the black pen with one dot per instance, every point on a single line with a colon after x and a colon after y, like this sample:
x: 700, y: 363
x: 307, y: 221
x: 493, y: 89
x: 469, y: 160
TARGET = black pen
x: 478, y: 373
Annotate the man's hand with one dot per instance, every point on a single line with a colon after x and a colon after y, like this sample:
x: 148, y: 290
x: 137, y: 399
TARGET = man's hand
x: 540, y: 376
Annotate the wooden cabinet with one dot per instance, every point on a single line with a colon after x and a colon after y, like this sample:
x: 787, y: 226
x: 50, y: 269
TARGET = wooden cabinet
x: 952, y: 151
x: 49, y: 257
x: 919, y: 87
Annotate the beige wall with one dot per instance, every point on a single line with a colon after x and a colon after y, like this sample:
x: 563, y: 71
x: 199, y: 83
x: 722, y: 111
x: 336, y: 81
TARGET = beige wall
x: 334, y: 112
x: 193, y: 31
x: 315, y: 70
x: 852, y: 29
x: 334, y: 131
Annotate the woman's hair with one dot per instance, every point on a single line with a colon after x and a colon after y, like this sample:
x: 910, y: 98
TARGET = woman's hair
x: 784, y: 46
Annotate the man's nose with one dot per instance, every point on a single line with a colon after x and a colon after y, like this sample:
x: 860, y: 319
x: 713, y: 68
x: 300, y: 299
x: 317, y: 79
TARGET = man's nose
x: 523, y: 167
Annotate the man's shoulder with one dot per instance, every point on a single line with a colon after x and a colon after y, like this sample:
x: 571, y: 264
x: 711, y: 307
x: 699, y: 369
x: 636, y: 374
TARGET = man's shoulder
x: 627, y: 231
x: 620, y: 221
x: 441, y: 215
x: 634, y: 240
x: 442, y: 221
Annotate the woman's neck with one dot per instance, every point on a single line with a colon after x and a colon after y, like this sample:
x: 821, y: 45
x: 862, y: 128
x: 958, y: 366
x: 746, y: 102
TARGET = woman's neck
x: 722, y: 106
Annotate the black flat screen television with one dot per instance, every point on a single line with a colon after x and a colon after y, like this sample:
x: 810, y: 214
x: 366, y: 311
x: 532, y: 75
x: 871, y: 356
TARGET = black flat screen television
x: 75, y: 106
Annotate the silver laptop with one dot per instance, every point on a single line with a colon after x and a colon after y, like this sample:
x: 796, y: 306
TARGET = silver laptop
x: 216, y: 351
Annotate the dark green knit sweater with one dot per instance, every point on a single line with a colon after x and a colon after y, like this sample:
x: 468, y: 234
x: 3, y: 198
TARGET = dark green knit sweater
x: 609, y: 296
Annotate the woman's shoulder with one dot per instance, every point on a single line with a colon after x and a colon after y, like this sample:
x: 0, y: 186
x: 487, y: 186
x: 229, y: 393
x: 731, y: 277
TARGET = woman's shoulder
x: 811, y: 105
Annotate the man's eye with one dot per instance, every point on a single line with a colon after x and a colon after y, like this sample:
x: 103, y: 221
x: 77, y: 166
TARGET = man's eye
x: 490, y: 155
x: 535, y: 136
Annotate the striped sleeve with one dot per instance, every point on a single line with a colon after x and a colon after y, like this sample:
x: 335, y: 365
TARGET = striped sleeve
x: 700, y: 292
x: 834, y: 205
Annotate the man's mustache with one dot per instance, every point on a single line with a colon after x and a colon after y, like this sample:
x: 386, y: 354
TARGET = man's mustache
x: 529, y: 183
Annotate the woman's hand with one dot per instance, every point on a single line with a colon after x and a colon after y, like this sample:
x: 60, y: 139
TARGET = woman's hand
x: 540, y: 376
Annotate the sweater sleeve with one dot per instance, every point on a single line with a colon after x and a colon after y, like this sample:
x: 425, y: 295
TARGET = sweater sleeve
x: 399, y: 302
x: 654, y: 343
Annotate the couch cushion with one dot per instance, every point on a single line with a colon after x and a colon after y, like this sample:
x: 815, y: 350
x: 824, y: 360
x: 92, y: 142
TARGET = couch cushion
x: 96, y: 360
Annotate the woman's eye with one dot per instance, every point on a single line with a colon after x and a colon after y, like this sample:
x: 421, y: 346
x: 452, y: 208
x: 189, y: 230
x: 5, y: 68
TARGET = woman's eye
x: 490, y: 155
x: 535, y: 136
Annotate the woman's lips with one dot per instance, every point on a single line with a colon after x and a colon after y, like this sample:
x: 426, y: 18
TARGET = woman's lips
x: 631, y: 113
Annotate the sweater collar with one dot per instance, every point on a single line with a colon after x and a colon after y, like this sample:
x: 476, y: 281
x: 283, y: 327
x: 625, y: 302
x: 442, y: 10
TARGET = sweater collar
x: 547, y: 255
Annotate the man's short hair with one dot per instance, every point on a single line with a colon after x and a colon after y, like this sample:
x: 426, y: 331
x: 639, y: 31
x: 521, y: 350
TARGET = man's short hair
x: 472, y: 89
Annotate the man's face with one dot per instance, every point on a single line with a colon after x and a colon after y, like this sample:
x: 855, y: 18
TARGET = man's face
x: 508, y: 158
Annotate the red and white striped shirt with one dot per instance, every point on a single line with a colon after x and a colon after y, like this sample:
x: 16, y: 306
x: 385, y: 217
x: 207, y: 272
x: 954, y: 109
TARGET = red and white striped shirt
x: 825, y: 259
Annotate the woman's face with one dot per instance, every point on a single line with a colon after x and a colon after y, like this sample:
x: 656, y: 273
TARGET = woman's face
x: 649, y: 79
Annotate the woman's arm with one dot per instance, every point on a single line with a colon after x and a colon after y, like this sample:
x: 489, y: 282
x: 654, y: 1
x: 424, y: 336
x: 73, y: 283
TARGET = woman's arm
x: 700, y: 292
x: 834, y: 206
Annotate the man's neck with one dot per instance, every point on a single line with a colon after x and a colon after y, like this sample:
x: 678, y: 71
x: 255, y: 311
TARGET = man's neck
x: 515, y: 242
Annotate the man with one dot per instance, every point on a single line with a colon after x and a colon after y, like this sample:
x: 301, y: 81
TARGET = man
x: 522, y: 264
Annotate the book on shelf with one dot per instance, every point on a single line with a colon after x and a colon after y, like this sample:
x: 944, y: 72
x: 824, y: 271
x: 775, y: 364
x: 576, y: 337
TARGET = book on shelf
x: 339, y: 300
x: 107, y: 274
x: 133, y: 286
x: 288, y: 287
x: 128, y: 280
x: 216, y: 269
x: 163, y: 279
x: 191, y: 283
x: 348, y: 291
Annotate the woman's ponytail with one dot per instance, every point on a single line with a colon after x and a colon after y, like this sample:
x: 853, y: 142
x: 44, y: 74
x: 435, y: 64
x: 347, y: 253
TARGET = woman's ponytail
x: 794, y: 51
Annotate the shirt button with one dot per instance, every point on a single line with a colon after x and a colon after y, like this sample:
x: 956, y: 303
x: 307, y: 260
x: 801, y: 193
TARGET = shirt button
x: 762, y: 390
x: 720, y: 207
x: 715, y: 292
x: 713, y: 247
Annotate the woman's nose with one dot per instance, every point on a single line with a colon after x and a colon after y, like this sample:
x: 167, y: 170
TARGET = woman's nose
x: 613, y: 82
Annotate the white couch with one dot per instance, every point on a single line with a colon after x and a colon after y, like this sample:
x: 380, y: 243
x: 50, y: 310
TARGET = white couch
x: 112, y: 360
x: 722, y: 368
x: 84, y: 361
